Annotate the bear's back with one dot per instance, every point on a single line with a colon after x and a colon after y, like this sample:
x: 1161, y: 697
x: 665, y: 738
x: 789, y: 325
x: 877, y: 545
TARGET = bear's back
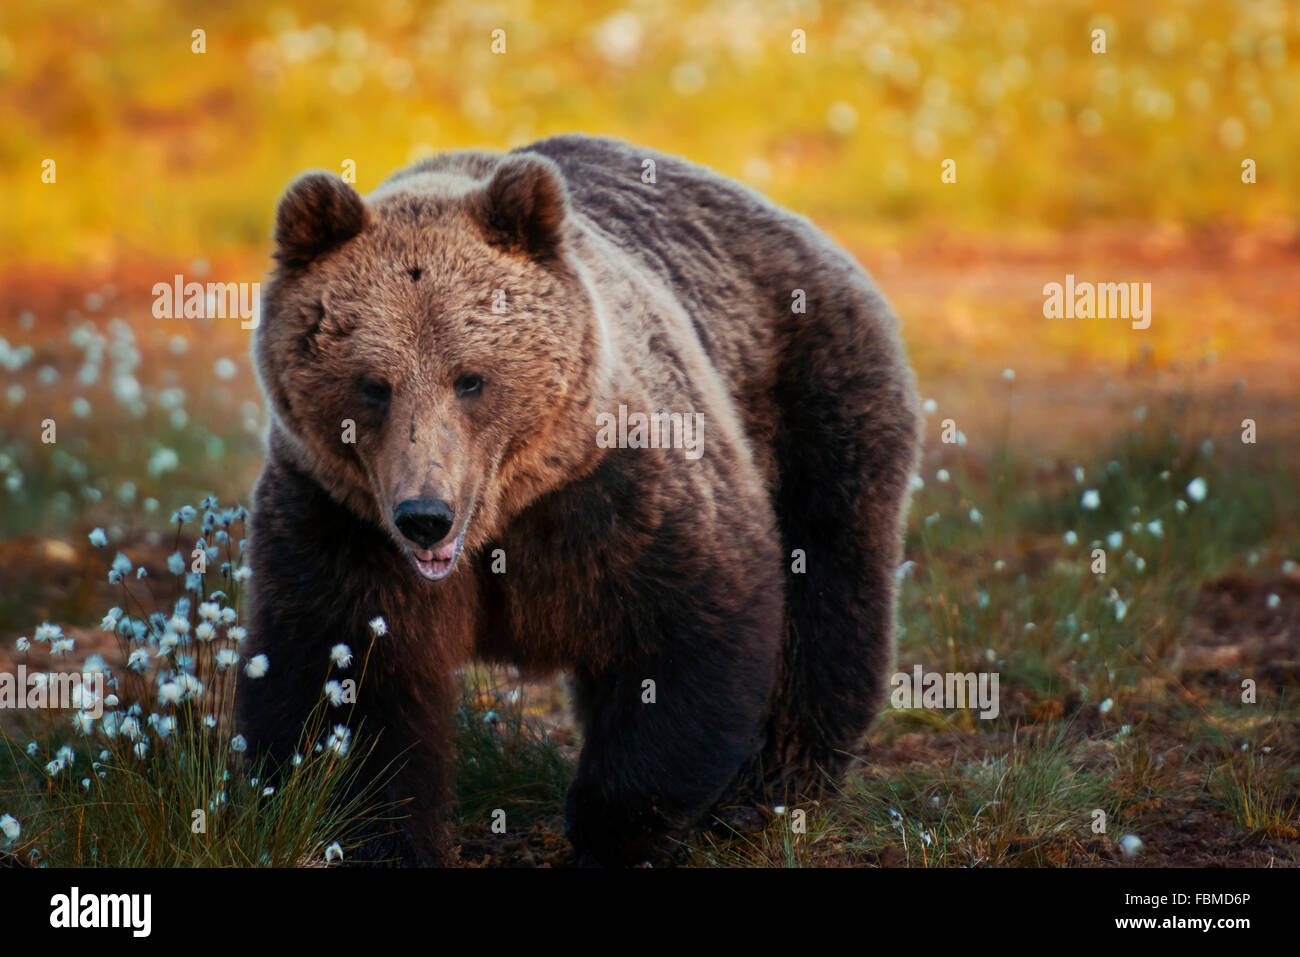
x: 712, y: 240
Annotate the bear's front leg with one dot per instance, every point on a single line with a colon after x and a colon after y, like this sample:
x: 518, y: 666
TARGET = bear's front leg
x: 664, y: 736
x: 411, y: 732
x: 321, y: 575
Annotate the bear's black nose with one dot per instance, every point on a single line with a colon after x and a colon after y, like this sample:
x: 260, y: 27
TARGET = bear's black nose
x: 425, y: 521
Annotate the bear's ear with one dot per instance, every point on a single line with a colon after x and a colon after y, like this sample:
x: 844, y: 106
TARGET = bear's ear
x: 523, y: 206
x: 317, y: 213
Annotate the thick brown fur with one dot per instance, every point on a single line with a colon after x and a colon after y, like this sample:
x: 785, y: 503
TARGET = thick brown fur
x: 621, y: 565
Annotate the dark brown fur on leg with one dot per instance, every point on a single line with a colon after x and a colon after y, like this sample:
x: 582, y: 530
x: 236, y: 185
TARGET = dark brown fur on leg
x: 846, y: 449
x: 332, y: 574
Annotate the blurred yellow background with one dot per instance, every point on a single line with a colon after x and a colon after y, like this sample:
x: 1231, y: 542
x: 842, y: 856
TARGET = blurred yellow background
x: 161, y: 150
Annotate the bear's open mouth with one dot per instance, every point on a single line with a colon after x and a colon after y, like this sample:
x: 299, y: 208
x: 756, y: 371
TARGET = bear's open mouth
x: 435, y: 564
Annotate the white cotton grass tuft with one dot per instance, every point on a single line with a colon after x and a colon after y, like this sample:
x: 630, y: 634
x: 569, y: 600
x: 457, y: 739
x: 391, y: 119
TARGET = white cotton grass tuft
x: 334, y: 693
x: 191, y: 687
x: 340, y: 739
x: 1091, y: 499
x: 333, y: 853
x: 1196, y: 489
x: 176, y: 650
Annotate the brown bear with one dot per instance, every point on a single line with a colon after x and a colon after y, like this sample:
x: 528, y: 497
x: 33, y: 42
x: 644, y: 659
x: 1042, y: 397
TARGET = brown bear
x: 651, y: 430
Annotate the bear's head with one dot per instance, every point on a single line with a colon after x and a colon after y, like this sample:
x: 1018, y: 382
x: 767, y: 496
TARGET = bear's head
x: 429, y: 353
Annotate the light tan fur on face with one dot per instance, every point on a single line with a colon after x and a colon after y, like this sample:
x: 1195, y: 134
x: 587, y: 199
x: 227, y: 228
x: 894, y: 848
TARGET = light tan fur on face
x: 409, y: 301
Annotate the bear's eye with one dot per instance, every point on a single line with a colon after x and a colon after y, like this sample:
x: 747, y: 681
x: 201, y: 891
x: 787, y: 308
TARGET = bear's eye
x: 469, y: 385
x: 375, y: 393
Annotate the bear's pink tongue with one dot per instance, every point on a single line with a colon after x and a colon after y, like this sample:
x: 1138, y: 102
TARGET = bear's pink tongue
x: 436, y: 563
x: 444, y: 554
